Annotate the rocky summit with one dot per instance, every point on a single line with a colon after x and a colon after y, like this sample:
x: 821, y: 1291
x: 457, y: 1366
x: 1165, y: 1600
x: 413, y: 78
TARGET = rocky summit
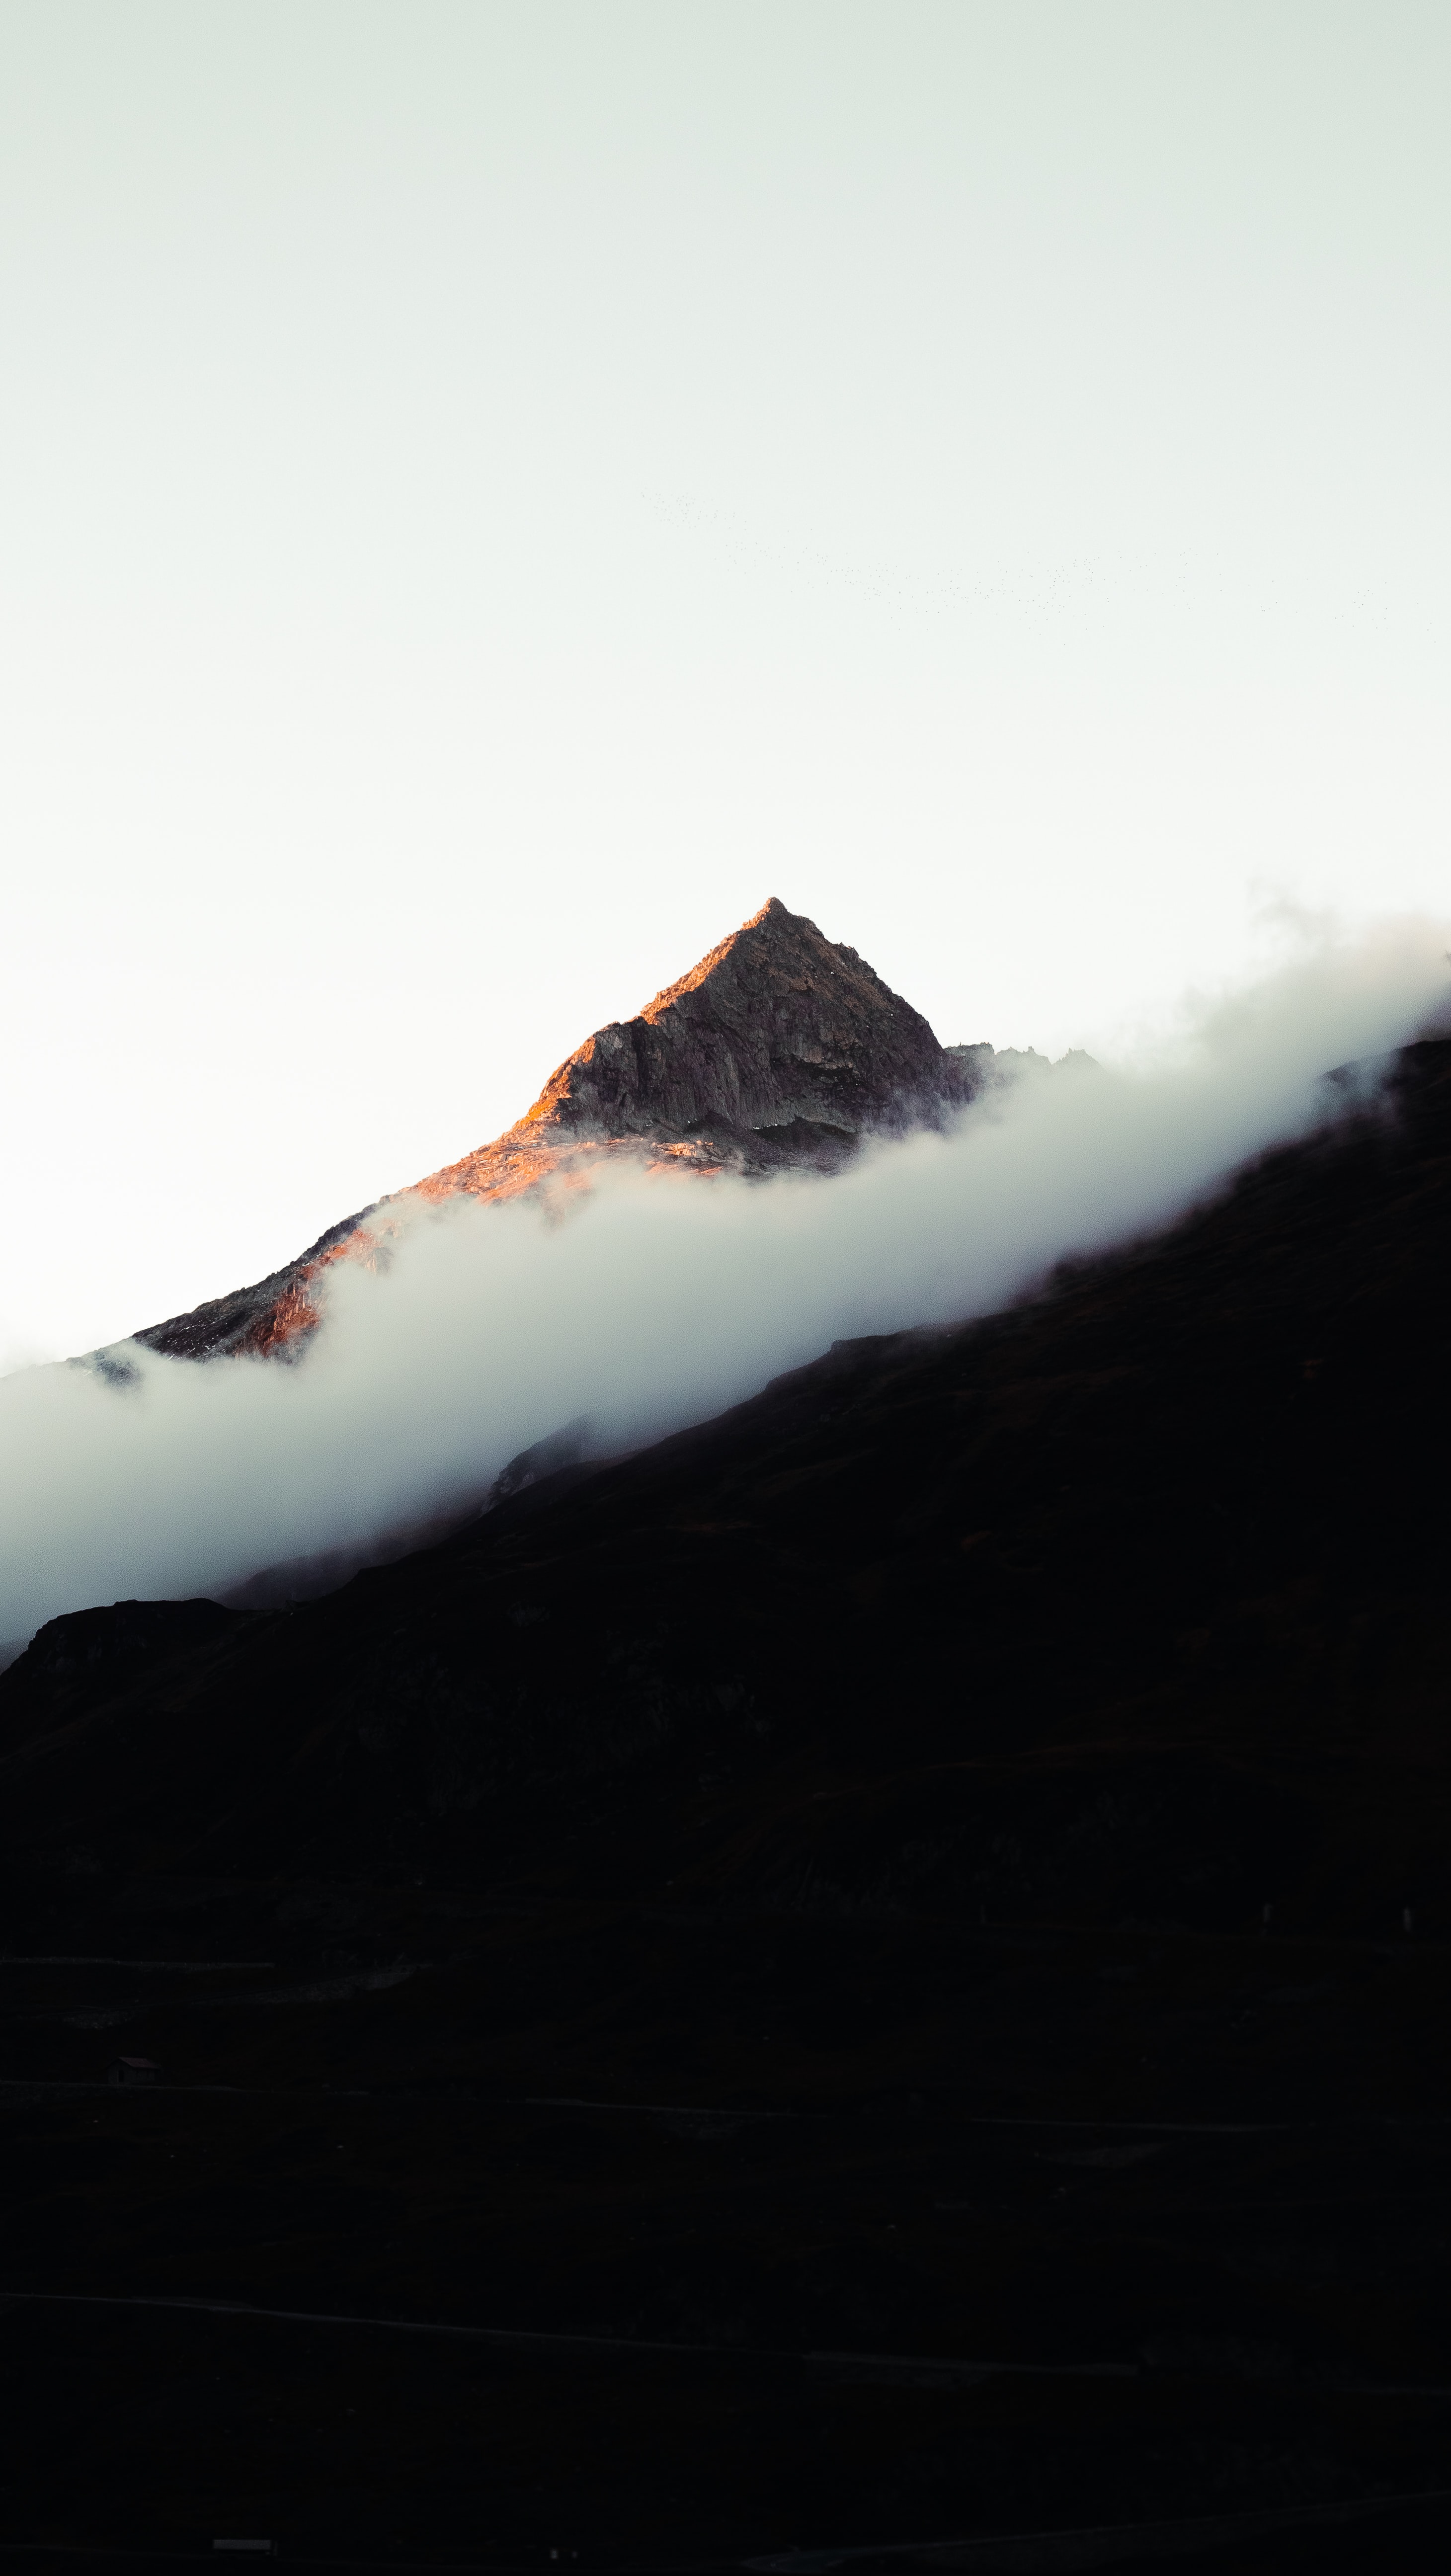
x: 779, y: 1050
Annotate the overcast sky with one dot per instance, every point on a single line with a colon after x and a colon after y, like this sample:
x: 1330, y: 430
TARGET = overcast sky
x: 489, y: 493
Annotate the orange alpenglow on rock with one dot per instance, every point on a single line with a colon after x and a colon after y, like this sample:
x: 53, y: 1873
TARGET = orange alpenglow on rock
x: 779, y: 1051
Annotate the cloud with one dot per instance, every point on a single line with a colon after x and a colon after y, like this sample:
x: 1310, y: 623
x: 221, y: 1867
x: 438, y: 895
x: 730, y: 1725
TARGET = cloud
x: 651, y: 1302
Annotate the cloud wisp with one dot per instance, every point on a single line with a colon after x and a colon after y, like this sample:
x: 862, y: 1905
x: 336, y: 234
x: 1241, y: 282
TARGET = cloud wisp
x: 651, y: 1302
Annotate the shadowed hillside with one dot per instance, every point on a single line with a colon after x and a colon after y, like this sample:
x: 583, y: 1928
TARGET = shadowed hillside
x: 893, y: 1951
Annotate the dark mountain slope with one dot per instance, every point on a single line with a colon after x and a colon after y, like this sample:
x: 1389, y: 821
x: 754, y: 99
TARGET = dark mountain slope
x: 791, y: 1907
x: 1189, y: 1506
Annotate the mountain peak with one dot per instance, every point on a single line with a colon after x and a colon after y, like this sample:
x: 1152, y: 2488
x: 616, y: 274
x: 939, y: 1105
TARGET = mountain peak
x: 779, y: 1049
x: 775, y: 1032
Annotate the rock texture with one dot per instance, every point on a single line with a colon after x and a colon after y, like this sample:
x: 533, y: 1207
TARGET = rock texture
x: 271, y: 1314
x: 779, y: 1047
x: 780, y: 1050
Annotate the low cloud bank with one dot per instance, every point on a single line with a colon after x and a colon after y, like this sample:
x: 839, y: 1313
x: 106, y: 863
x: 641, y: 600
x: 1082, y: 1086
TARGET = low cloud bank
x: 651, y: 1303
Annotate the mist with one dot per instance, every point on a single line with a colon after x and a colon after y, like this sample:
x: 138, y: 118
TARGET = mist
x: 651, y: 1301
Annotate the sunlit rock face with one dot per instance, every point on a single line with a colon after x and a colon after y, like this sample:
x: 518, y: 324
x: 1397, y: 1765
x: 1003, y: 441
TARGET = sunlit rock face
x: 779, y: 1048
x: 779, y: 1051
x: 777, y: 1029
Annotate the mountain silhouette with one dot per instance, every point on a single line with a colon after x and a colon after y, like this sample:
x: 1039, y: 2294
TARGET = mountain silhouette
x: 865, y: 1985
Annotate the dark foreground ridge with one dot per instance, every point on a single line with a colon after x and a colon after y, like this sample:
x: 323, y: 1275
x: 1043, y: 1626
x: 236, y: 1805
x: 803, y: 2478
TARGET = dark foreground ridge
x: 874, y: 1976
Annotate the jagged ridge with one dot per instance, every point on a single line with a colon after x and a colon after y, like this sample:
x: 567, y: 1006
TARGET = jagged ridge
x: 780, y: 1050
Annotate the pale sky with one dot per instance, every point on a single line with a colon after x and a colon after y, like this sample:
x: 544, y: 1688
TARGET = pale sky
x: 489, y: 493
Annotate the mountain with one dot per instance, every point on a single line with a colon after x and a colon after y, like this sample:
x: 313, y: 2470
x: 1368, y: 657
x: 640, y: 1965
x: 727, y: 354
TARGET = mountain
x: 868, y: 1983
x: 780, y: 1050
x: 1152, y: 1498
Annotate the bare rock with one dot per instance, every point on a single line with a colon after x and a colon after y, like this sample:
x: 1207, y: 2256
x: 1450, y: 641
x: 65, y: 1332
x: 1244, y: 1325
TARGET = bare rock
x: 781, y: 1050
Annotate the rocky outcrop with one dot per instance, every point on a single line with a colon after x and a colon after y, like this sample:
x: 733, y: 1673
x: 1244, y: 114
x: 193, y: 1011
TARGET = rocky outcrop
x: 776, y: 1038
x: 266, y: 1317
x: 780, y: 1051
